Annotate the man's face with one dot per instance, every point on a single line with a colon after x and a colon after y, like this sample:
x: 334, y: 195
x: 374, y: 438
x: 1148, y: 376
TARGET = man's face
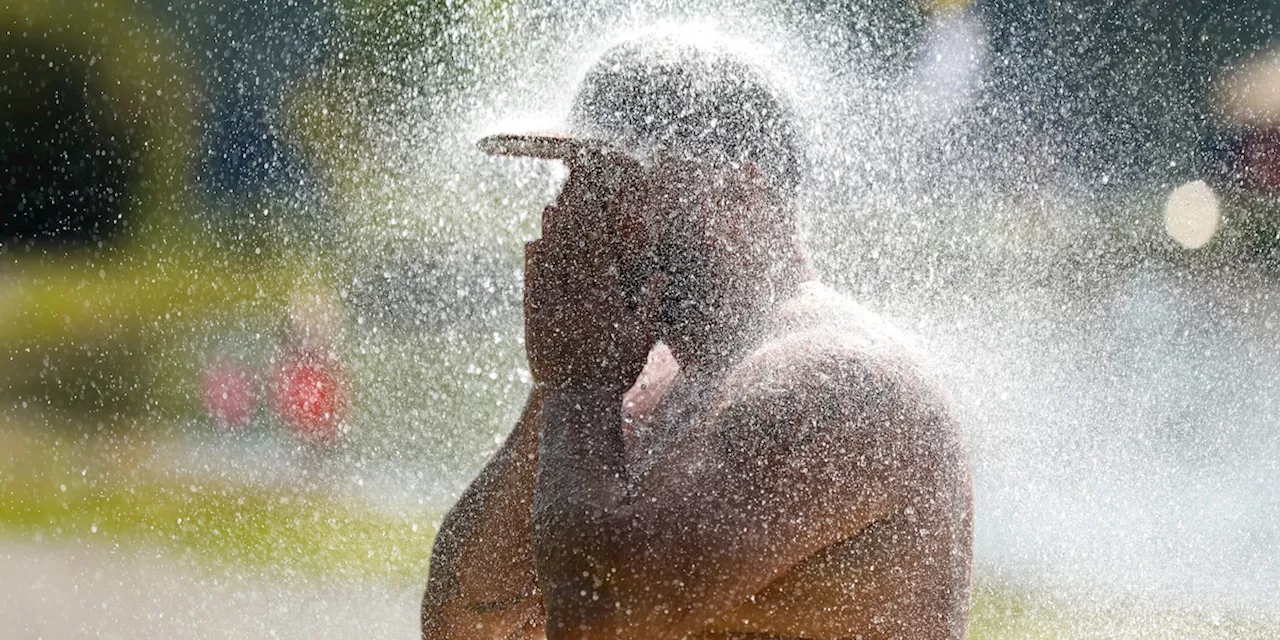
x: 655, y: 212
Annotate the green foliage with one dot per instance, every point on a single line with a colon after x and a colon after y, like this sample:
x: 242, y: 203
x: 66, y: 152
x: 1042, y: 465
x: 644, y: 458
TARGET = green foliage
x: 1002, y: 611
x: 92, y: 330
x: 108, y: 338
x: 445, y: 31
x: 142, y: 94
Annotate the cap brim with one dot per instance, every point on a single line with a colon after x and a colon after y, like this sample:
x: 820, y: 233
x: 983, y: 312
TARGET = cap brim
x: 548, y: 146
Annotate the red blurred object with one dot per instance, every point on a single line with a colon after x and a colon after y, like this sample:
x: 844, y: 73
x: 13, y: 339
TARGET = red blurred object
x: 230, y: 394
x: 308, y: 391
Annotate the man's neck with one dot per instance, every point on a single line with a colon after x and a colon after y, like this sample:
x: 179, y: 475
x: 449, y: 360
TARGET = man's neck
x: 740, y: 314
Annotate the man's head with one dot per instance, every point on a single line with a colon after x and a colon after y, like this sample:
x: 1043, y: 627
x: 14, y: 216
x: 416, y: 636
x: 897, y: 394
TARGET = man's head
x: 695, y: 102
x: 695, y: 155
x: 706, y: 159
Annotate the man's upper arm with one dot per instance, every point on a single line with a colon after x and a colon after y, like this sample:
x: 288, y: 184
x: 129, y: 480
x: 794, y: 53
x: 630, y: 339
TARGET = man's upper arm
x: 808, y: 443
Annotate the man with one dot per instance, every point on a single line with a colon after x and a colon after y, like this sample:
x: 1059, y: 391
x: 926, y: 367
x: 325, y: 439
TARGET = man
x: 716, y: 445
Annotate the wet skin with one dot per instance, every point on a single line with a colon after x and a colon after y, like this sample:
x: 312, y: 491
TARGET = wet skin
x: 764, y: 461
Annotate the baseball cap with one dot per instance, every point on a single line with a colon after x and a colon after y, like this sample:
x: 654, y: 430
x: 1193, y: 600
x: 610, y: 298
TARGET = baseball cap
x: 695, y: 101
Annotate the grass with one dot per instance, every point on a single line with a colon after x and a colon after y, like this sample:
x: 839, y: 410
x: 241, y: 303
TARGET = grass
x: 103, y: 491
x: 1005, y: 611
x: 120, y: 334
x: 53, y: 489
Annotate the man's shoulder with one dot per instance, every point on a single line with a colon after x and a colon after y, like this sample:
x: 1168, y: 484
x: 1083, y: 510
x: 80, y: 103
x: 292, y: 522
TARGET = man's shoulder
x: 826, y: 357
x: 821, y: 328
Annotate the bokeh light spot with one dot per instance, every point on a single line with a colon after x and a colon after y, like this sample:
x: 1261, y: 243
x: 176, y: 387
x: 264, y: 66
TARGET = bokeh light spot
x: 1191, y: 215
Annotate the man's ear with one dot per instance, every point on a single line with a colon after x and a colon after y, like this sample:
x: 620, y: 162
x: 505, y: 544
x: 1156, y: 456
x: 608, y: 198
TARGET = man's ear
x: 750, y: 190
x: 741, y: 201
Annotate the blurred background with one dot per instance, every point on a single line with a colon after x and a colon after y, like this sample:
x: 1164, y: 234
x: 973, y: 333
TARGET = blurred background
x: 259, y: 292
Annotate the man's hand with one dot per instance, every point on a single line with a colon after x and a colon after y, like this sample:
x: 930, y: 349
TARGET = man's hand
x: 578, y: 327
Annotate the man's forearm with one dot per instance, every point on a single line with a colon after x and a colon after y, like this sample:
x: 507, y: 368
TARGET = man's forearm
x: 581, y: 452
x: 581, y: 482
x: 482, y: 564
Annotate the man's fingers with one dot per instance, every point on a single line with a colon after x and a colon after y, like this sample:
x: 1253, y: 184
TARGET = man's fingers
x: 576, y: 185
x: 554, y: 224
x: 577, y: 244
x: 538, y: 268
x: 532, y: 253
x: 575, y: 231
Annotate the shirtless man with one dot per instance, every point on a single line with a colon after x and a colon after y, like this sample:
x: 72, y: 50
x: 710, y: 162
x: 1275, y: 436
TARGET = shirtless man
x: 716, y: 445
